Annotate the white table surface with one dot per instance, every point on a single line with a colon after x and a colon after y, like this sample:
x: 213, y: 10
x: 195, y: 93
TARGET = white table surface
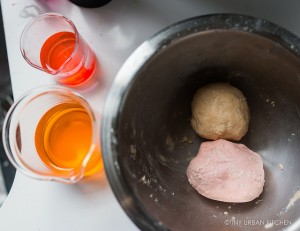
x: 113, y: 31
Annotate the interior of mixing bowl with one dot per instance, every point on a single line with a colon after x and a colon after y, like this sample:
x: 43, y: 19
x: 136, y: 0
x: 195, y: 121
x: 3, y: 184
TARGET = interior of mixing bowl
x: 155, y: 141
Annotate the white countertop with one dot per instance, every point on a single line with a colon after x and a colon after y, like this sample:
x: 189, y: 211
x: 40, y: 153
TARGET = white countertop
x: 113, y: 31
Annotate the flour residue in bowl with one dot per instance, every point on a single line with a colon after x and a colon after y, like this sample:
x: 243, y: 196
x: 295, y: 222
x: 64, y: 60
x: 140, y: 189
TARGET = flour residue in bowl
x: 186, y: 140
x: 293, y: 200
x: 133, y: 151
x: 170, y: 143
x: 281, y: 166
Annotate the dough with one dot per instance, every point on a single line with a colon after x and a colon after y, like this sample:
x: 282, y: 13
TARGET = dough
x: 220, y: 111
x: 226, y: 171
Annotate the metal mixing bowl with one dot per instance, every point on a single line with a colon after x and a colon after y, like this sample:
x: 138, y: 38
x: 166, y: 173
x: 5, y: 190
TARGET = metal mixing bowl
x: 148, y: 141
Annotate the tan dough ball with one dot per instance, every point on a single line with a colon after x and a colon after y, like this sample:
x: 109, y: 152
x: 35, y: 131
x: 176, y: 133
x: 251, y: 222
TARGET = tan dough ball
x: 220, y: 111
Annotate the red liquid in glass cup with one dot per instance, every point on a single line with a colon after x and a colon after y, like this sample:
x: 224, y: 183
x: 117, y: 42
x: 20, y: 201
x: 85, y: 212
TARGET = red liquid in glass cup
x: 56, y: 54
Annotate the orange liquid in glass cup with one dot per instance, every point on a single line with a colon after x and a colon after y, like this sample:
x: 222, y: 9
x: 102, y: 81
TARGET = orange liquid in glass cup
x: 63, y: 137
x: 57, y: 49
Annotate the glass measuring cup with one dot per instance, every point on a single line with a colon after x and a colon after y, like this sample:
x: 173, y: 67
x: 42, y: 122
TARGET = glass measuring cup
x: 51, y: 43
x: 51, y: 133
